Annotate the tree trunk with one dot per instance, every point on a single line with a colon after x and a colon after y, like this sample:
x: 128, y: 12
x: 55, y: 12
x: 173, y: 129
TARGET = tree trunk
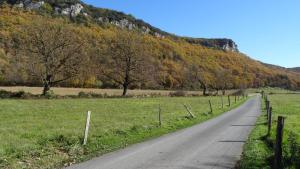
x: 224, y: 92
x: 47, y: 82
x: 46, y: 88
x: 125, y: 88
x: 204, y: 87
x: 204, y: 91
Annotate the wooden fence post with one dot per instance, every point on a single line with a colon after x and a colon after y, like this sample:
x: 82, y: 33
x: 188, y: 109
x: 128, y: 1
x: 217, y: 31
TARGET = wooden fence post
x: 268, y: 106
x: 235, y: 99
x: 229, y: 103
x: 189, y: 111
x: 222, y: 102
x: 278, y: 144
x: 87, y: 126
x: 211, y: 109
x: 270, y: 121
x: 263, y: 94
x: 159, y: 116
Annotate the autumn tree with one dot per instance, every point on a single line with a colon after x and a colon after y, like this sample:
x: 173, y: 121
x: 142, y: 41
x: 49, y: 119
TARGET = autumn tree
x: 3, y: 63
x: 223, y: 80
x: 53, y: 52
x: 171, y: 74
x: 196, y: 74
x: 126, y: 60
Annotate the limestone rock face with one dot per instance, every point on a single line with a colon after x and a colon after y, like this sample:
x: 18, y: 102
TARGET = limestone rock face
x: 20, y: 5
x: 35, y: 5
x: 30, y: 5
x: 223, y: 44
x: 73, y: 10
x: 230, y: 46
x: 123, y: 23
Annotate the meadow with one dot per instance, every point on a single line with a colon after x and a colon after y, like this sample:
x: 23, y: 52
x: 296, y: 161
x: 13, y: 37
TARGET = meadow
x: 48, y: 133
x: 259, y: 151
x: 272, y: 90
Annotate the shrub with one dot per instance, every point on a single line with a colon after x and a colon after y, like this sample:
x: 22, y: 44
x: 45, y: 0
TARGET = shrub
x: 179, y: 93
x: 84, y: 95
x: 239, y: 92
x: 4, y: 94
x: 50, y: 95
x: 19, y: 95
x: 96, y: 95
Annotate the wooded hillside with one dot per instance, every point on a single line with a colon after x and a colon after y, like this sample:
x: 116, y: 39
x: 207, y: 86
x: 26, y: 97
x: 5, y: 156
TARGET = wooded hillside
x: 38, y: 49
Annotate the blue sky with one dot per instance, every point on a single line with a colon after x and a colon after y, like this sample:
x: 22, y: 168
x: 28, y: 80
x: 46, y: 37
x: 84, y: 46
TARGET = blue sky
x: 266, y: 30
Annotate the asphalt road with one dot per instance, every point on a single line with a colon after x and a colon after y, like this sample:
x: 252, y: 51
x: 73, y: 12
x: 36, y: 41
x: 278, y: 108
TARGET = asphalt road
x: 214, y: 144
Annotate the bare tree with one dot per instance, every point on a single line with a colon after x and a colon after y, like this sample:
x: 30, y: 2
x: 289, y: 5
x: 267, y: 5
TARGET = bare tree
x: 126, y: 60
x: 196, y: 74
x: 223, y: 80
x: 53, y: 52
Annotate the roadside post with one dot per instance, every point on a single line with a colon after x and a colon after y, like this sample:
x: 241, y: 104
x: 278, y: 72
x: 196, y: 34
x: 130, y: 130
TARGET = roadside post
x: 278, y: 144
x: 268, y: 106
x: 211, y: 109
x: 263, y: 94
x: 159, y: 116
x: 270, y: 121
x: 87, y: 126
x: 222, y: 102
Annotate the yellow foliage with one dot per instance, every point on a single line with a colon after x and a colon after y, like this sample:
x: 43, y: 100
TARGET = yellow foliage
x: 172, y: 55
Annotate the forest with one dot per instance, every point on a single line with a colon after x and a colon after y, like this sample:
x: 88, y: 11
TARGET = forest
x: 41, y: 50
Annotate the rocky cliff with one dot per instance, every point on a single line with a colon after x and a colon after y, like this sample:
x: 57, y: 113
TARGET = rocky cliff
x: 81, y: 12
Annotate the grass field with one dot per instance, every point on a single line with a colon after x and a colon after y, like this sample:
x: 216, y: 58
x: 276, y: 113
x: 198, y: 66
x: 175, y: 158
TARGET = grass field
x: 258, y: 151
x: 48, y: 133
x: 272, y: 90
x: 110, y: 92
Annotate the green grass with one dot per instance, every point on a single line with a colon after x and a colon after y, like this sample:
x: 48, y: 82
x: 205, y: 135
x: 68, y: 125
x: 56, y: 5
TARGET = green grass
x: 49, y: 133
x: 272, y: 90
x: 258, y: 151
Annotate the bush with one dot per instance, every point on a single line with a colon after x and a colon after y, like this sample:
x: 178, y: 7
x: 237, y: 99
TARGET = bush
x: 4, y: 94
x: 19, y: 95
x: 179, y: 93
x: 240, y: 92
x: 50, y: 95
x: 84, y: 95
x: 90, y: 95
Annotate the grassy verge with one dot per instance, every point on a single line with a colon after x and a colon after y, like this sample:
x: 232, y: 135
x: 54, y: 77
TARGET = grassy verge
x: 48, y: 133
x: 258, y: 151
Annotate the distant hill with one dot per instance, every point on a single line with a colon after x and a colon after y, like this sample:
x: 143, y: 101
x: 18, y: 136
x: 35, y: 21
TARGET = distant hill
x: 82, y: 12
x: 296, y: 69
x: 173, y: 58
